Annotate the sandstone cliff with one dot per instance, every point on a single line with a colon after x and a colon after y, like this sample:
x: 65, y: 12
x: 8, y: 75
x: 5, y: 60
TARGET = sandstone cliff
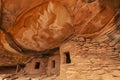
x: 31, y: 26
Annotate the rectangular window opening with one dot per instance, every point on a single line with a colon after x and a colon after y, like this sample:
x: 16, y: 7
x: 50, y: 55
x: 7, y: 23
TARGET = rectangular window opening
x: 37, y: 65
x: 53, y: 64
x: 67, y: 56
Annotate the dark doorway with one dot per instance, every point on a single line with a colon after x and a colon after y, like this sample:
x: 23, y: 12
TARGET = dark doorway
x: 67, y: 56
x: 53, y: 64
x: 37, y: 65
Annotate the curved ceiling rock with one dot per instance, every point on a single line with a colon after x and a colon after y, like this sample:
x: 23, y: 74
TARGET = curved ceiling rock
x: 42, y: 27
x: 38, y: 25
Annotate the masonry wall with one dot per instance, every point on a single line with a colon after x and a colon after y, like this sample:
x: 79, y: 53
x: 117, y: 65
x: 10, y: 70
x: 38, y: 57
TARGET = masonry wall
x: 90, y: 60
x: 54, y: 65
x: 30, y: 67
x: 48, y: 65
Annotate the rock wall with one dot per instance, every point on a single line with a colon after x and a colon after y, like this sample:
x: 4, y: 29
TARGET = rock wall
x: 90, y: 60
x: 26, y: 28
x: 30, y: 67
x: 53, y: 67
x: 47, y: 65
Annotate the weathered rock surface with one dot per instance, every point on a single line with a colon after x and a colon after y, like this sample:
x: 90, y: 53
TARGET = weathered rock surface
x: 90, y: 61
x: 51, y: 21
x: 36, y: 25
x: 98, y: 62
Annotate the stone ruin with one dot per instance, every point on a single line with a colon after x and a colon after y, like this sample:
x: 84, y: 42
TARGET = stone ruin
x: 72, y: 53
x: 31, y: 26
x: 86, y: 59
x: 47, y: 65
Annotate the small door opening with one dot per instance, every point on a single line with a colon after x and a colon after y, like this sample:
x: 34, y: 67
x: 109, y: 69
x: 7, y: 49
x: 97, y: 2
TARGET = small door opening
x: 67, y: 56
x: 37, y: 65
x: 53, y: 64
